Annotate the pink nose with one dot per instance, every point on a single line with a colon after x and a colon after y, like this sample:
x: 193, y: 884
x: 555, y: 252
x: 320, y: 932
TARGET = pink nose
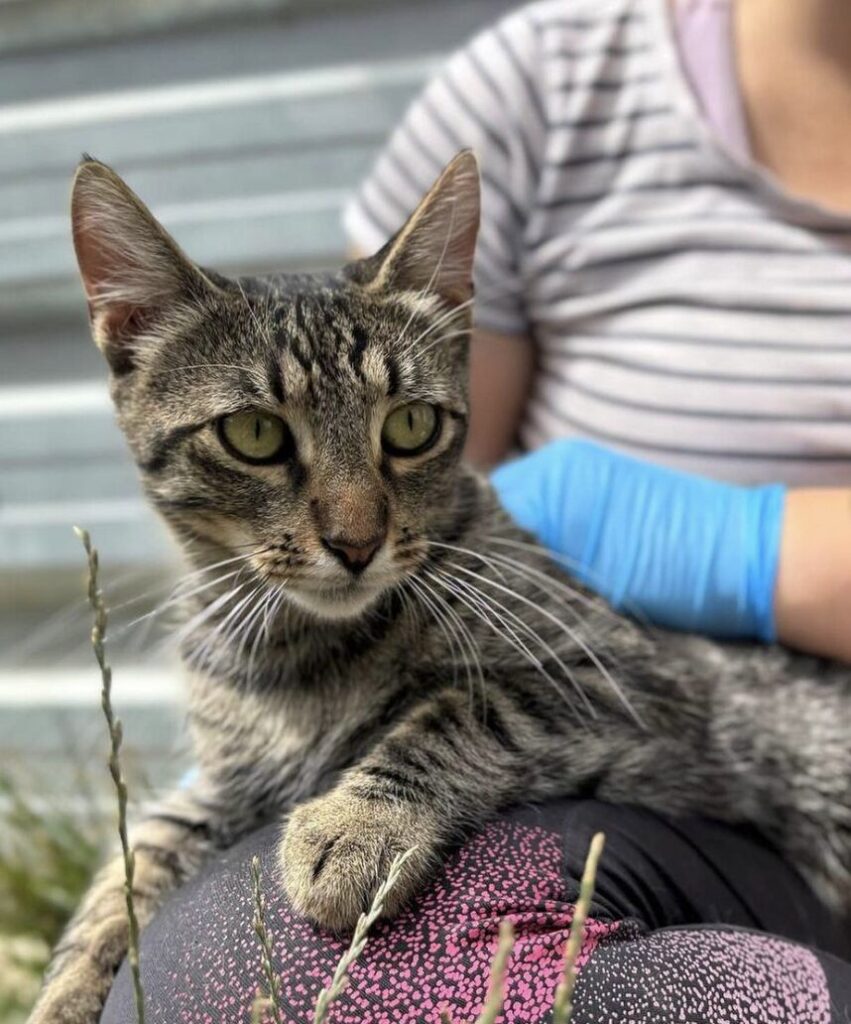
x: 354, y: 556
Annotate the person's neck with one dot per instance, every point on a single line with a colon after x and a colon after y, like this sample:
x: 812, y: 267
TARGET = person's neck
x: 794, y: 63
x: 814, y: 29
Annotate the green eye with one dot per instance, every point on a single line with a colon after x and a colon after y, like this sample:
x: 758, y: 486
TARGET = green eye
x: 410, y: 429
x: 255, y: 436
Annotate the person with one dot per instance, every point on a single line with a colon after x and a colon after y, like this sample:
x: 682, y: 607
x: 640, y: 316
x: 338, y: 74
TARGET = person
x: 664, y: 268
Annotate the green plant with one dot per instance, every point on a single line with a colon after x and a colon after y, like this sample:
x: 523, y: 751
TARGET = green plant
x: 47, y: 857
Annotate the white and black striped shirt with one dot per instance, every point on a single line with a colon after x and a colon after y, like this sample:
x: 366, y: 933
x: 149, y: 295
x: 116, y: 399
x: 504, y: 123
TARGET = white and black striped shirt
x: 683, y: 306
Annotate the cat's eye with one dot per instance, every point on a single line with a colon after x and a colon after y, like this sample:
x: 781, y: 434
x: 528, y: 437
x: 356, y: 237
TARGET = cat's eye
x: 410, y: 429
x: 255, y: 436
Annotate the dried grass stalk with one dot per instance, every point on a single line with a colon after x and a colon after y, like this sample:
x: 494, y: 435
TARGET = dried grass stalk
x: 272, y: 1001
x: 496, y: 989
x: 116, y: 735
x: 365, y: 922
x: 563, y: 1005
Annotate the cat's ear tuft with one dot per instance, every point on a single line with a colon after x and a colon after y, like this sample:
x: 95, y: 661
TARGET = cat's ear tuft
x: 132, y: 270
x: 433, y: 252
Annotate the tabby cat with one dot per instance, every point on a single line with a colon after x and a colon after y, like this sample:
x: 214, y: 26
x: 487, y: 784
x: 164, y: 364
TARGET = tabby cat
x: 376, y: 654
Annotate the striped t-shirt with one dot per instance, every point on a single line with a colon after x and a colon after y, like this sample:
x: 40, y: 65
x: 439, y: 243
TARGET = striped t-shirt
x: 683, y: 306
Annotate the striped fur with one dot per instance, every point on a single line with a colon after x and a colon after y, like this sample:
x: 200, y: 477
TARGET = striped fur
x: 460, y: 672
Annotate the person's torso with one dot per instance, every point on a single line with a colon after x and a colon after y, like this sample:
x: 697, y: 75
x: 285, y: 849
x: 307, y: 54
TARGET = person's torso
x: 683, y: 306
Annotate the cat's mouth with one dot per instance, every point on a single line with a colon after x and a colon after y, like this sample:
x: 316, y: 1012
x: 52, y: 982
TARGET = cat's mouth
x: 344, y: 599
x: 329, y: 593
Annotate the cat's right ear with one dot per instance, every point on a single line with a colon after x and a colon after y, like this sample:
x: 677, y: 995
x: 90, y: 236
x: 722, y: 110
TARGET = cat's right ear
x: 132, y: 269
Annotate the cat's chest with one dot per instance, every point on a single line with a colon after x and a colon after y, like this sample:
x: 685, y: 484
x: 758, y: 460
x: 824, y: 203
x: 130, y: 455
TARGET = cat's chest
x: 287, y: 744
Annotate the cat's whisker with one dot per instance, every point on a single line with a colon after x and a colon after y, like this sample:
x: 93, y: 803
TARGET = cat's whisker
x: 223, y: 638
x: 261, y: 330
x: 221, y: 629
x: 473, y: 656
x: 561, y: 592
x: 173, y: 586
x: 446, y: 337
x: 428, y: 288
x: 233, y: 628
x: 175, y: 599
x: 487, y: 611
x: 179, y: 594
x: 497, y: 607
x: 570, y: 633
x: 240, y: 636
x: 270, y: 609
x: 484, y: 611
x: 519, y: 622
x: 178, y: 597
x: 572, y: 566
x: 446, y: 629
x: 438, y: 323
x: 213, y: 366
x: 273, y: 608
x: 189, y: 627
x: 412, y: 610
x: 564, y: 597
x: 464, y: 590
x: 229, y: 638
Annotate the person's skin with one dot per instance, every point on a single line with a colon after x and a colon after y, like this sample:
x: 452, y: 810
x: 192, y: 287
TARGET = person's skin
x: 794, y: 66
x: 812, y: 598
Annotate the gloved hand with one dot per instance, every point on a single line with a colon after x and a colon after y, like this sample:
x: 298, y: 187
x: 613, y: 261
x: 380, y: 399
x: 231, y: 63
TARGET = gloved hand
x: 681, y: 550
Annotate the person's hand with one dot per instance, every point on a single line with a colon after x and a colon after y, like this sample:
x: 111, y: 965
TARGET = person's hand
x: 680, y: 550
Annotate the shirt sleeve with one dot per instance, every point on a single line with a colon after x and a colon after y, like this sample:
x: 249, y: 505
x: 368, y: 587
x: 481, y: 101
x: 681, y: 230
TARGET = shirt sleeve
x: 487, y: 98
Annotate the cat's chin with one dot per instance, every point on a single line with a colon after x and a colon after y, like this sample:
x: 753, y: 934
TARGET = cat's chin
x: 335, y: 604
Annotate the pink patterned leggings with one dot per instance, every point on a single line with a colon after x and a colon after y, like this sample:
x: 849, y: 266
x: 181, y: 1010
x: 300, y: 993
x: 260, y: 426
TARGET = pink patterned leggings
x: 685, y: 929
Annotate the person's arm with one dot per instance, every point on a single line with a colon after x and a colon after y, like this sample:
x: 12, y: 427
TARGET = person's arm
x: 812, y: 598
x: 501, y: 370
x: 691, y: 553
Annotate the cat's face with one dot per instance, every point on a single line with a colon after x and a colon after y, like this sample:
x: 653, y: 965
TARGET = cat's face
x: 312, y: 425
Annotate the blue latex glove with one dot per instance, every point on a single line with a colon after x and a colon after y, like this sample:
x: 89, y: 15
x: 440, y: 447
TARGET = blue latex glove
x: 681, y: 550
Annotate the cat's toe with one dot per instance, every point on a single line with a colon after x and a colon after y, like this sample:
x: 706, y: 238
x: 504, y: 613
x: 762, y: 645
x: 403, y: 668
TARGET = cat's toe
x: 337, y: 850
x: 75, y: 997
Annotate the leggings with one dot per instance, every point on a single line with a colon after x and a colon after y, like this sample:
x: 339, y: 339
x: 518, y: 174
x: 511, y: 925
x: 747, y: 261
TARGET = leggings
x: 691, y: 922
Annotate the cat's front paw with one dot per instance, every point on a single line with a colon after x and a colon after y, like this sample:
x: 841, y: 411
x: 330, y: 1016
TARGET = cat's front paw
x: 337, y: 850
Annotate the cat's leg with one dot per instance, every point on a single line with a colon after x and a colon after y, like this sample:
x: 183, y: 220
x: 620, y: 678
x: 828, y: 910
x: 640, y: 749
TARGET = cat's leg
x: 790, y: 754
x: 441, y: 771
x: 169, y: 844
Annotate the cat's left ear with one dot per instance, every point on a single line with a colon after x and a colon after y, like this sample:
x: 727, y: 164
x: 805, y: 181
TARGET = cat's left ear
x: 433, y: 251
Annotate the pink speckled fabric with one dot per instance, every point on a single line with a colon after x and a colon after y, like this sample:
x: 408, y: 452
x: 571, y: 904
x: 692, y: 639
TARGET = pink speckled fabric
x: 705, y: 976
x: 201, y: 962
x: 437, y: 955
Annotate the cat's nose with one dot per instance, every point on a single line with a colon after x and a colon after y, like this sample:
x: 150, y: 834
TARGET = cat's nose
x: 354, y: 555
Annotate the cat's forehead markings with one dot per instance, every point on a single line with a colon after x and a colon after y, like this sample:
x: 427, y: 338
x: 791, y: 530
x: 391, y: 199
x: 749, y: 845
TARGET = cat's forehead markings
x: 376, y: 369
x: 296, y: 374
